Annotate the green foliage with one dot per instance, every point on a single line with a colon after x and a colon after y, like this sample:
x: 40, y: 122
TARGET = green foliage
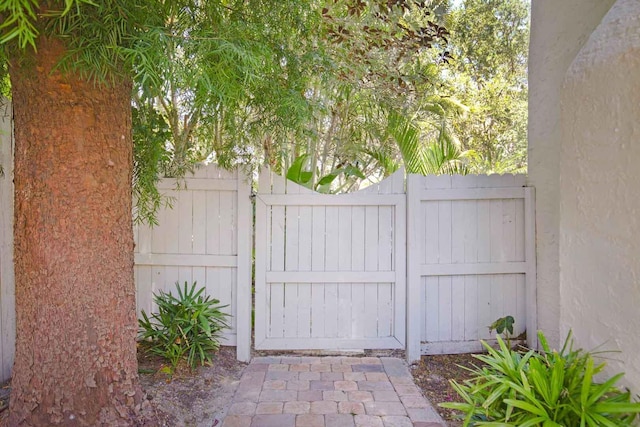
x: 441, y: 156
x: 299, y: 174
x: 542, y: 389
x: 359, y: 87
x: 503, y: 324
x: 373, y: 58
x: 210, y: 77
x: 490, y: 42
x: 150, y: 158
x: 188, y: 325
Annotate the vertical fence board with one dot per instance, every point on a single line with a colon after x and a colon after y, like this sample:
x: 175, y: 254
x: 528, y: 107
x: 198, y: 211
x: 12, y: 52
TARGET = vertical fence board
x: 226, y: 224
x: 444, y: 308
x: 344, y: 310
x: 185, y: 221
x: 276, y: 309
x: 431, y: 311
x: 331, y: 256
x: 345, y: 241
x: 262, y: 254
x: 458, y: 298
x: 358, y: 322
x: 432, y: 233
x: 415, y: 290
x: 305, y: 238
x: 199, y: 222
x: 484, y: 306
x: 212, y: 219
x: 318, y: 238
x: 484, y: 230
x: 290, y: 312
x: 470, y: 308
x: 243, y: 300
x: 291, y: 253
x: 385, y: 310
x: 317, y: 310
x: 370, y: 311
x: 371, y: 238
x: 530, y: 257
x: 457, y: 232
x: 358, y: 245
x: 304, y: 310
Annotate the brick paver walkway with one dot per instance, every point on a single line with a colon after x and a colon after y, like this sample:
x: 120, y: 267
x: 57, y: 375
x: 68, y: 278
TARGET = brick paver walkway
x: 329, y: 392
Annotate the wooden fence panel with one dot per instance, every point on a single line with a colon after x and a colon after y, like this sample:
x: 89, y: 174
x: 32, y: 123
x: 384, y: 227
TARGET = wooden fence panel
x: 206, y: 238
x: 469, y: 262
x: 330, y: 271
x: 429, y: 269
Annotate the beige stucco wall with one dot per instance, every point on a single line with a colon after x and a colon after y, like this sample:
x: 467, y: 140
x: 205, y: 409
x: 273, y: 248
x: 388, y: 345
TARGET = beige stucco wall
x: 600, y: 192
x: 558, y: 31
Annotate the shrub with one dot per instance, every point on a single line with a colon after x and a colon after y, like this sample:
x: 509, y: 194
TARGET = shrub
x: 550, y: 389
x: 189, y: 325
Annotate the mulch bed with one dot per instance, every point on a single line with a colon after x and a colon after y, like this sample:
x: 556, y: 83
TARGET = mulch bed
x: 433, y: 374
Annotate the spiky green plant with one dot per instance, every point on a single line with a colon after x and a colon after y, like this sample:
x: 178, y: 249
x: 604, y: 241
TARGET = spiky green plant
x: 187, y: 326
x: 548, y: 389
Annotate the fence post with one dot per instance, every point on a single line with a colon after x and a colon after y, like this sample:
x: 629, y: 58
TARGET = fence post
x: 413, y: 269
x: 7, y: 284
x: 530, y: 277
x: 243, y: 298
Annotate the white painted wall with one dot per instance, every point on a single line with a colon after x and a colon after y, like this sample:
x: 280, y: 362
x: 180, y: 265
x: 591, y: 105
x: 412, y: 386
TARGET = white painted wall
x: 558, y: 31
x: 599, y: 202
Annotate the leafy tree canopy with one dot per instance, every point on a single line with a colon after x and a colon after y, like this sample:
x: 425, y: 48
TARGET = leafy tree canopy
x: 490, y: 41
x: 363, y: 84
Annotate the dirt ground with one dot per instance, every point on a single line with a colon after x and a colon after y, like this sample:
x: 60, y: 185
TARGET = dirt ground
x: 191, y: 398
x: 433, y: 374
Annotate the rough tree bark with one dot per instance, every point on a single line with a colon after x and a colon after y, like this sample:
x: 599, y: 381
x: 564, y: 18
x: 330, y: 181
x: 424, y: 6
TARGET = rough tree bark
x: 75, y: 360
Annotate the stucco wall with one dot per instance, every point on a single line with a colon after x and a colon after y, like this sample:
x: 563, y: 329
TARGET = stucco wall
x: 558, y: 30
x: 599, y: 192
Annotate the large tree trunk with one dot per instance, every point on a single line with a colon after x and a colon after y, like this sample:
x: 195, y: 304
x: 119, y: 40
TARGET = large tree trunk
x: 75, y: 361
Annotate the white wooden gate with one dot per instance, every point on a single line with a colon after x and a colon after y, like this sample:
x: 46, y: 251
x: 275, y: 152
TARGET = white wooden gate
x: 330, y: 269
x: 471, y: 246
x: 206, y: 238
